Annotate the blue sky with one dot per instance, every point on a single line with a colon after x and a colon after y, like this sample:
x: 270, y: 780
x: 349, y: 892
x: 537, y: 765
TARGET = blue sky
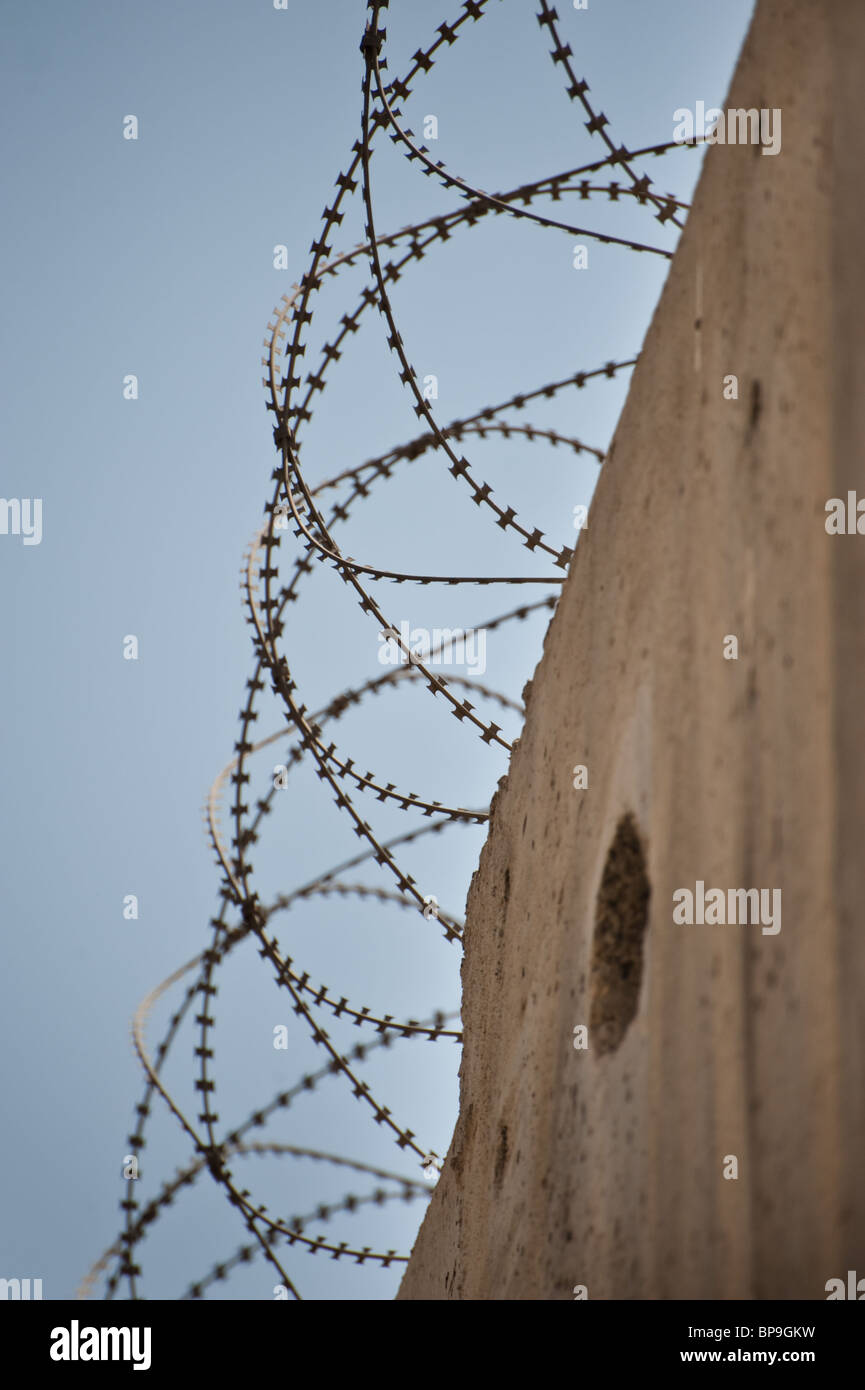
x: 155, y: 257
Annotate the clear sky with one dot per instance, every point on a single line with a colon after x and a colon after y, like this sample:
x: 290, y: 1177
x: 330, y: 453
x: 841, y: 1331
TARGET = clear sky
x: 154, y: 257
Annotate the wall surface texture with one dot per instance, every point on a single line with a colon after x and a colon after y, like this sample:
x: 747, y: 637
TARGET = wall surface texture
x: 604, y: 1166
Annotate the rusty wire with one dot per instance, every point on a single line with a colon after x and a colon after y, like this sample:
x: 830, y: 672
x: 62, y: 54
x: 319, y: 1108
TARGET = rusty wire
x: 298, y: 510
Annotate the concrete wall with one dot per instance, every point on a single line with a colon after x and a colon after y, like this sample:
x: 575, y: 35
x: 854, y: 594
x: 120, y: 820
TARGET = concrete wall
x: 604, y: 1167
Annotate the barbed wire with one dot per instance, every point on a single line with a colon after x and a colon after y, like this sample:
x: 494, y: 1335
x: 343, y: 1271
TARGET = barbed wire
x: 300, y: 511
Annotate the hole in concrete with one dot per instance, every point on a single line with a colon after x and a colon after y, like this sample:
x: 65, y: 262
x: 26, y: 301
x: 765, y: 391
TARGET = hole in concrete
x: 621, y: 915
